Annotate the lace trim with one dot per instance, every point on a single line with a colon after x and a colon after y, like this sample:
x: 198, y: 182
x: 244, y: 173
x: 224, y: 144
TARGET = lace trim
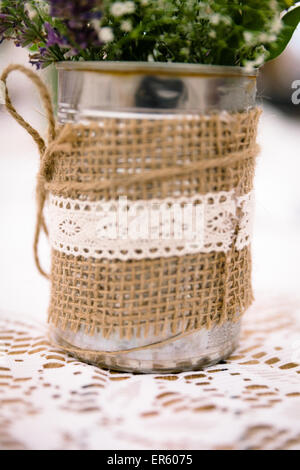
x: 124, y: 229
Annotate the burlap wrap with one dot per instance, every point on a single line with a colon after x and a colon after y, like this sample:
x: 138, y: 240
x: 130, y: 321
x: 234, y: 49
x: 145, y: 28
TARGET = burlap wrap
x: 145, y: 159
x: 140, y: 296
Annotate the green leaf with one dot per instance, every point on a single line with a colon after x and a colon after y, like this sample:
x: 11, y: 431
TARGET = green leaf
x: 290, y: 23
x: 285, y: 4
x: 34, y: 48
x: 289, y: 3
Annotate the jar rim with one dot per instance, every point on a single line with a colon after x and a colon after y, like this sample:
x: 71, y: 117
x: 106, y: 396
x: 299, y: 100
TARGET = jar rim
x: 123, y: 67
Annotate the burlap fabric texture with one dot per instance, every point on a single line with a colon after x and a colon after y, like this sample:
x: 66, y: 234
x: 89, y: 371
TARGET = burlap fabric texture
x: 145, y: 159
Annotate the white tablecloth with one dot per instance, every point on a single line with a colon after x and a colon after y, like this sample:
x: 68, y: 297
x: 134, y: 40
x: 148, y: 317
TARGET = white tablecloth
x: 48, y: 400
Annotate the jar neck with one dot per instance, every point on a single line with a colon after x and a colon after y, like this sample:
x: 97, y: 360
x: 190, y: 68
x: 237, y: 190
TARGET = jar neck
x: 87, y: 94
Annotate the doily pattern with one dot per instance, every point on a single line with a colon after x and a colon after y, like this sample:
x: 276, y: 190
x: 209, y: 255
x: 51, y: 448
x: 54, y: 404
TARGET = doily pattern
x: 49, y: 400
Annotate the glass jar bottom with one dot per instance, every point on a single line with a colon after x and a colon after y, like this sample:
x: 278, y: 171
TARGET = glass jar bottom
x: 200, y: 349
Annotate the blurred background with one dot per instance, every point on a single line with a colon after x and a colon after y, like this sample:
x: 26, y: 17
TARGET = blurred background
x: 277, y: 222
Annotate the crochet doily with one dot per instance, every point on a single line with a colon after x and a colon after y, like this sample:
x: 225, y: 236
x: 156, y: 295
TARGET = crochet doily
x: 150, y: 229
x: 49, y: 400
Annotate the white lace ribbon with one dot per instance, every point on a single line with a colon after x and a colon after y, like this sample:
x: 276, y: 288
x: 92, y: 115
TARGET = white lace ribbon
x: 124, y: 229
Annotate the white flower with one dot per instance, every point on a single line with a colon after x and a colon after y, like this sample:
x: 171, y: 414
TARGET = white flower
x: 260, y: 60
x: 276, y: 26
x: 117, y: 9
x: 212, y: 34
x: 248, y: 36
x: 122, y: 8
x: 215, y: 18
x: 31, y: 12
x: 274, y: 5
x: 106, y: 34
x: 250, y: 65
x: 126, y: 26
x: 144, y: 2
x: 226, y: 20
x: 96, y: 25
x: 44, y: 6
x: 264, y: 37
x: 130, y: 7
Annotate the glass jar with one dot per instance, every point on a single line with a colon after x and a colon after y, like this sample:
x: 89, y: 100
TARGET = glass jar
x: 91, y: 91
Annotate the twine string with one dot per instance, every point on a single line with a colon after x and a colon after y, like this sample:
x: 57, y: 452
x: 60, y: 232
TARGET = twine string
x: 47, y: 103
x: 129, y: 180
x: 61, y: 343
x: 46, y: 99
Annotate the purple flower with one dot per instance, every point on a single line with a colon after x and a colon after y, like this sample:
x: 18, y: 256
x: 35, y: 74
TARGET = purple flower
x: 76, y: 16
x: 36, y: 63
x: 53, y: 37
x: 83, y: 36
x: 75, y: 9
x: 66, y: 32
x: 43, y: 51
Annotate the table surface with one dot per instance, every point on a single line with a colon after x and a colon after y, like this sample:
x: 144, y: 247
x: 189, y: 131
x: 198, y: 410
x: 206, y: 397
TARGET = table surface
x: 48, y: 400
